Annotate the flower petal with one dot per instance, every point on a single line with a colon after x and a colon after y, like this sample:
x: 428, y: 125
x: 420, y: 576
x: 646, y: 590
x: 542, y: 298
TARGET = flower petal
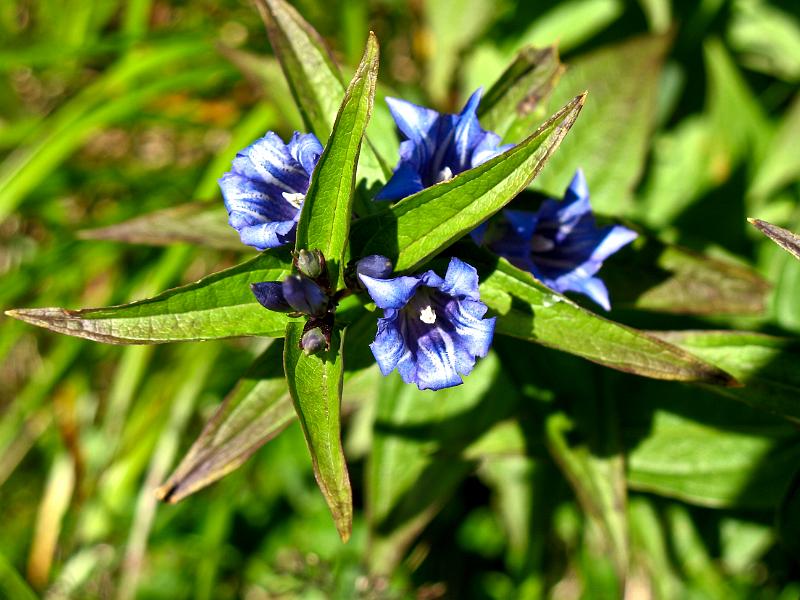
x: 461, y: 279
x: 416, y: 122
x: 474, y: 332
x: 616, y: 238
x: 389, y: 348
x: 390, y: 293
x: 436, y: 357
x: 268, y: 235
x: 406, y: 181
x: 306, y: 150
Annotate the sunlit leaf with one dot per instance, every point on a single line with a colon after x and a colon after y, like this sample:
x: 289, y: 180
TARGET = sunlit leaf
x: 218, y: 306
x: 327, y: 210
x: 315, y: 384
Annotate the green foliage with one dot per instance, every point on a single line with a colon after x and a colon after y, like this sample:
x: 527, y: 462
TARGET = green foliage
x: 573, y: 466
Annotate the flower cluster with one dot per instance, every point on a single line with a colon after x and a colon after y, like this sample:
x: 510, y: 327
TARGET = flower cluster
x: 433, y: 329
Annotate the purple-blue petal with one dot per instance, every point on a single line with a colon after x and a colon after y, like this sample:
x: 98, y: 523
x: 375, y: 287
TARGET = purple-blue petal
x: 268, y: 235
x: 389, y: 347
x: 461, y: 279
x: 416, y: 122
x: 390, y: 293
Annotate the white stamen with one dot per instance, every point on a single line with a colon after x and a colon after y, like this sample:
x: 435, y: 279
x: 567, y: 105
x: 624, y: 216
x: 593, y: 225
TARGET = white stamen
x: 541, y: 244
x: 294, y: 199
x: 445, y: 174
x: 427, y: 315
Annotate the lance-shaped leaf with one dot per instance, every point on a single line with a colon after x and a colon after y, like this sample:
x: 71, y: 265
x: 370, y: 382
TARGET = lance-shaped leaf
x: 529, y: 310
x: 218, y: 306
x: 315, y: 384
x: 327, y: 210
x: 520, y: 90
x: 255, y: 411
x: 705, y: 450
x: 192, y: 223
x: 783, y: 237
x: 313, y: 77
x: 666, y: 278
x: 611, y: 141
x: 766, y: 365
x: 420, y: 226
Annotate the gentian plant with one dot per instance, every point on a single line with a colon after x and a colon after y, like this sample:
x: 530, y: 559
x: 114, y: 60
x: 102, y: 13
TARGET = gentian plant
x: 354, y: 257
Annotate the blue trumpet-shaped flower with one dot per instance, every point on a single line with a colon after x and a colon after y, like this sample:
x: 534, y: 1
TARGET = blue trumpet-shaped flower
x: 560, y: 244
x: 437, y: 146
x: 432, y: 329
x: 266, y: 187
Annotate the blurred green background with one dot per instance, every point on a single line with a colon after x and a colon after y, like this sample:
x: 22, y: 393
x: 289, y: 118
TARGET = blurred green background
x: 111, y: 109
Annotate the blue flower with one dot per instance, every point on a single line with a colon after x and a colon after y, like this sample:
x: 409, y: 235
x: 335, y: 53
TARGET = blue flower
x: 266, y: 187
x: 437, y: 146
x: 560, y: 244
x: 432, y: 329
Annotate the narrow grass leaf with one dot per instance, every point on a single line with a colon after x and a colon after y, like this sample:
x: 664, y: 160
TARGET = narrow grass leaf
x: 315, y: 384
x: 327, y: 210
x: 420, y: 226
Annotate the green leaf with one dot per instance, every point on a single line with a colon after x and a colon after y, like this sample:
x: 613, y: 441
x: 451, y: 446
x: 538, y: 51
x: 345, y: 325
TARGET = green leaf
x: 529, y: 310
x: 766, y: 365
x: 783, y: 237
x: 315, y: 384
x: 667, y: 278
x: 314, y: 79
x: 420, y: 226
x: 766, y: 38
x: 192, y: 223
x: 327, y: 209
x: 611, y: 140
x: 523, y: 87
x: 739, y: 465
x: 218, y: 306
x: 700, y: 449
x: 781, y: 164
x: 257, y: 409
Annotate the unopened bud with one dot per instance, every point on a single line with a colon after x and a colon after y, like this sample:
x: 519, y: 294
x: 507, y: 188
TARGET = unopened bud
x: 270, y: 295
x: 313, y: 341
x: 310, y: 263
x: 305, y: 296
x: 375, y: 265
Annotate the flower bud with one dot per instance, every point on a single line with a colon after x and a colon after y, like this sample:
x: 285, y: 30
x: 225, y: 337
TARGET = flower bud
x: 375, y: 266
x: 305, y: 296
x: 270, y: 295
x: 313, y: 341
x: 310, y: 263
